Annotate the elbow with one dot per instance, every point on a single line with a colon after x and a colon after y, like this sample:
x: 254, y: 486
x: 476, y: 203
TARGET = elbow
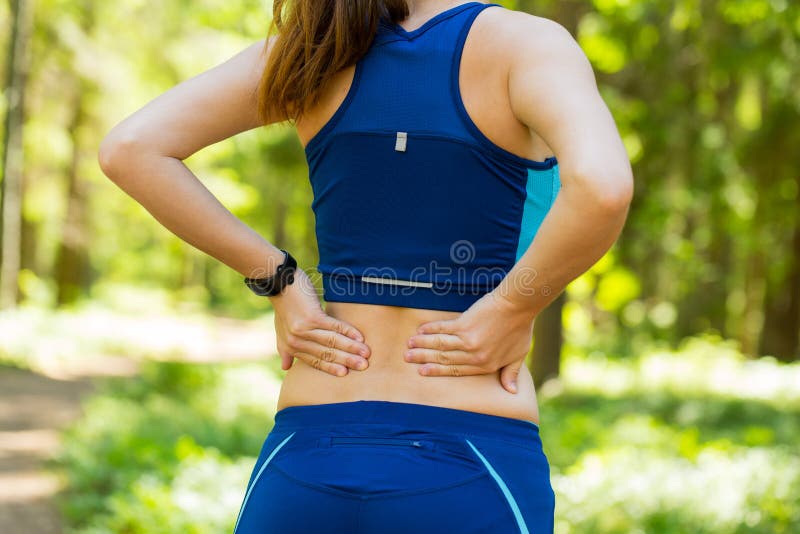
x: 617, y: 196
x: 117, y: 152
x: 611, y: 191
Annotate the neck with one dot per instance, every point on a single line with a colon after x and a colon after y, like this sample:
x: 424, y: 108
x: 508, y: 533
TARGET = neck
x: 423, y: 8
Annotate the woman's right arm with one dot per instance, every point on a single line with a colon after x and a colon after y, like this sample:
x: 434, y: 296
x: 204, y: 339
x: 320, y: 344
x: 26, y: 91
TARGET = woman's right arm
x: 144, y: 156
x: 553, y: 91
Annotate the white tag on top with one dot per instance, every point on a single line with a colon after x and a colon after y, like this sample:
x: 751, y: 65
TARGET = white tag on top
x: 400, y: 142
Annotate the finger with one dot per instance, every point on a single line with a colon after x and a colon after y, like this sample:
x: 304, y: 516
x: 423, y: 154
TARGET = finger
x: 435, y: 369
x: 447, y: 326
x: 321, y: 365
x: 328, y: 354
x: 436, y: 341
x: 449, y: 357
x: 509, y: 374
x: 335, y: 340
x: 286, y: 361
x: 327, y: 322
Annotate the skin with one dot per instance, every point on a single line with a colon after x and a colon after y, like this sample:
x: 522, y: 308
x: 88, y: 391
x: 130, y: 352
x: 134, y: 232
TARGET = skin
x: 530, y: 89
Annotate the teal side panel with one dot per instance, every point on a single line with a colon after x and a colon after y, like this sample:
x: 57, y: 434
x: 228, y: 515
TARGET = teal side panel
x: 541, y: 190
x: 556, y: 184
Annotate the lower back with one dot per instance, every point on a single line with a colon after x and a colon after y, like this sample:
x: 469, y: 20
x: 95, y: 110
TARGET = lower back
x: 389, y: 377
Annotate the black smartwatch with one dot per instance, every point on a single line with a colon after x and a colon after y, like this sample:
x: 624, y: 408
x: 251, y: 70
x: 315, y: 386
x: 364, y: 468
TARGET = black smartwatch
x: 273, y: 285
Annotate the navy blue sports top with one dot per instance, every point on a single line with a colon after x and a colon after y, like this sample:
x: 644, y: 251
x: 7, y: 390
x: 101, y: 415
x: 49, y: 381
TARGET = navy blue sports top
x: 414, y: 206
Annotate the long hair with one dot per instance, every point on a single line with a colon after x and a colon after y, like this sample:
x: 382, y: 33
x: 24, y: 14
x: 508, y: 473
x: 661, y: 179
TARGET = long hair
x: 316, y: 39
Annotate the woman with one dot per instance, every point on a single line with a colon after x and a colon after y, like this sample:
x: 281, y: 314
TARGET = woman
x: 445, y: 225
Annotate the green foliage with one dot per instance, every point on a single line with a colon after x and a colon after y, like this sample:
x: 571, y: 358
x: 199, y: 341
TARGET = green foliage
x: 200, y: 498
x: 643, y: 488
x: 695, y: 440
x: 143, y: 447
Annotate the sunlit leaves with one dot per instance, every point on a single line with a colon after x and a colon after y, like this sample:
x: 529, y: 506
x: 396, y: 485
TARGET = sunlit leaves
x: 633, y: 145
x: 748, y: 110
x: 741, y: 200
x: 685, y: 15
x: 744, y: 12
x: 616, y: 288
x: 603, y: 49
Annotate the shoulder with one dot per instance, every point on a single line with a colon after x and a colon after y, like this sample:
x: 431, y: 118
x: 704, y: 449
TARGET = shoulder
x: 528, y: 38
x: 520, y: 24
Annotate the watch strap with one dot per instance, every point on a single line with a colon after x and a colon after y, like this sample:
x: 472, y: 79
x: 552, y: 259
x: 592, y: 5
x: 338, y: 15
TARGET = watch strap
x: 272, y: 285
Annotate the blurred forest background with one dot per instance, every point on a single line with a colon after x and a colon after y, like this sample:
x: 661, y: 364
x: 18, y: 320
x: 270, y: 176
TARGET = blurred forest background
x: 669, y: 373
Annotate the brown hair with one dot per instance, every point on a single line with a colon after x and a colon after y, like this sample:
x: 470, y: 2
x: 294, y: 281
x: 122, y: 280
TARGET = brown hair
x: 315, y: 40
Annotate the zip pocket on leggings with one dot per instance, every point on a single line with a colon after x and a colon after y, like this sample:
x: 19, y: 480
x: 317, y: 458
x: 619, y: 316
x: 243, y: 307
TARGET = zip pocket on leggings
x: 336, y: 441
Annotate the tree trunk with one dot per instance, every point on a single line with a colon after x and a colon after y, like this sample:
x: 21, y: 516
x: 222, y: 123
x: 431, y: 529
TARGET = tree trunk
x: 11, y: 186
x: 773, y: 159
x: 781, y: 334
x: 547, y: 336
x: 280, y: 210
x: 72, y: 259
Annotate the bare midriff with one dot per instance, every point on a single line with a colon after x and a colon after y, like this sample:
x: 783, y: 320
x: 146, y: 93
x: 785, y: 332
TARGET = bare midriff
x: 390, y: 378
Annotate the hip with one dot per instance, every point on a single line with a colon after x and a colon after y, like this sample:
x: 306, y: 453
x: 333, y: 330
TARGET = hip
x: 380, y: 466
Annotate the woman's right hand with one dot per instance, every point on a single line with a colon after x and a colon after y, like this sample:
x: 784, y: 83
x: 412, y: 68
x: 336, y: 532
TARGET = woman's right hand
x: 306, y: 332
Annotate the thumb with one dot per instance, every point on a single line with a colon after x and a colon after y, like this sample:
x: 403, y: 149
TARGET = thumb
x: 509, y: 374
x: 286, y: 361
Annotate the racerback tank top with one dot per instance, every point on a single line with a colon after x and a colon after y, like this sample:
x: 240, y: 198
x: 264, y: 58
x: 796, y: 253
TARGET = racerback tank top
x: 414, y: 205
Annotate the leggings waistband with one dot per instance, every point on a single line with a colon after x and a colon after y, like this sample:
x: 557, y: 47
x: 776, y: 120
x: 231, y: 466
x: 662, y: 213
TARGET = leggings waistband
x: 418, y: 416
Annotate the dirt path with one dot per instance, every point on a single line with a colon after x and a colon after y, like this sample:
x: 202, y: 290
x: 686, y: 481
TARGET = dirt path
x: 34, y: 408
x: 36, y: 405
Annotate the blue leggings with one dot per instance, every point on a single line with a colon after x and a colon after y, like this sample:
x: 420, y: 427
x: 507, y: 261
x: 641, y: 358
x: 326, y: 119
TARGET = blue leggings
x: 381, y: 467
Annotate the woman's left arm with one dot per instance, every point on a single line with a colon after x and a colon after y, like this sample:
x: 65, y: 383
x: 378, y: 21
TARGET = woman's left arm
x: 144, y: 155
x: 553, y: 91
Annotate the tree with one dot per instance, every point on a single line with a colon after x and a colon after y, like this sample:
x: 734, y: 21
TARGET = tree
x: 12, y: 163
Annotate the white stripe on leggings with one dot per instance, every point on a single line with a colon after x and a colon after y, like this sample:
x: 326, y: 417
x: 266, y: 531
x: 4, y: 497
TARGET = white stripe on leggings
x: 523, y: 528
x: 255, y: 480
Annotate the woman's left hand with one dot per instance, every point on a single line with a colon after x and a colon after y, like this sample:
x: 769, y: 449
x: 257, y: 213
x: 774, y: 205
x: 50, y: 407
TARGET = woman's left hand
x: 492, y: 334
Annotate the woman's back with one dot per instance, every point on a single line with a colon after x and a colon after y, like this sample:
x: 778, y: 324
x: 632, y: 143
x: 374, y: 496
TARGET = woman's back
x: 481, y: 71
